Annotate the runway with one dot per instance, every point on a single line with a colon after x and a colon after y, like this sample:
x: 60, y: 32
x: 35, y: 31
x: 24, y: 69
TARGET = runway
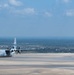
x: 38, y: 64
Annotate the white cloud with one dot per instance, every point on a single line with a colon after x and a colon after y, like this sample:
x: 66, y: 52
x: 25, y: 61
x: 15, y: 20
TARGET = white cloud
x: 15, y: 2
x: 9, y: 5
x: 2, y: 6
x: 29, y: 11
x: 48, y: 14
x: 25, y: 11
x: 70, y: 13
x: 6, y: 5
x: 66, y: 1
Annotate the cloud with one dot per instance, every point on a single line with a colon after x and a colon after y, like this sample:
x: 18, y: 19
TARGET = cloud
x: 48, y: 14
x: 9, y: 5
x: 67, y: 1
x: 6, y: 5
x: 2, y: 6
x: 25, y: 11
x: 15, y: 2
x: 70, y: 13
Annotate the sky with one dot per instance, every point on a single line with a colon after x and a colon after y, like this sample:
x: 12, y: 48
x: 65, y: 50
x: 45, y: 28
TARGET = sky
x: 37, y: 18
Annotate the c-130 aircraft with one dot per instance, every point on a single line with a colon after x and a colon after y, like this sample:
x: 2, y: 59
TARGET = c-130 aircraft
x: 9, y: 52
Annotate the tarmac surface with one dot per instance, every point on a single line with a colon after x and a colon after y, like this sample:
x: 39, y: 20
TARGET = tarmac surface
x: 38, y: 64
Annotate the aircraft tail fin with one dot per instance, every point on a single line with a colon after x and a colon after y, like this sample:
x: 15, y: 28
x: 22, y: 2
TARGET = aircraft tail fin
x: 15, y: 49
x: 14, y: 43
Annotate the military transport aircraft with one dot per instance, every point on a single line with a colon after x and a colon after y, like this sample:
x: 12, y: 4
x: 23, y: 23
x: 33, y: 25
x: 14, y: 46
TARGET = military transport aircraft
x: 9, y: 52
